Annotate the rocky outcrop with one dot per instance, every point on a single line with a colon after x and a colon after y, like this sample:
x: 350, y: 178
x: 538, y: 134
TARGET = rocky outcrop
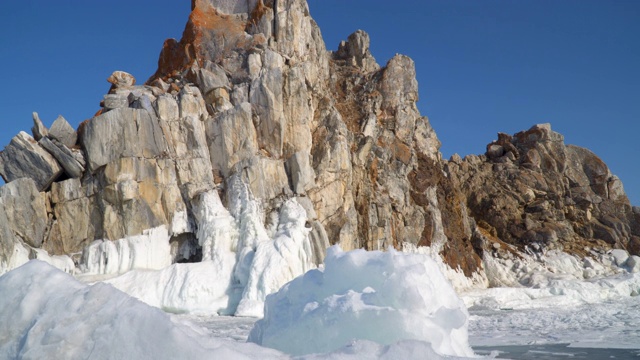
x: 24, y: 157
x: 250, y: 105
x: 533, y: 191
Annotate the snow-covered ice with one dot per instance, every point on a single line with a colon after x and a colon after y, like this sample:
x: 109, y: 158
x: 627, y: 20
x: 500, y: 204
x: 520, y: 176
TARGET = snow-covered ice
x: 384, y: 297
x: 150, y: 250
x: 242, y: 263
x: 47, y: 314
x: 51, y: 314
x: 397, y: 306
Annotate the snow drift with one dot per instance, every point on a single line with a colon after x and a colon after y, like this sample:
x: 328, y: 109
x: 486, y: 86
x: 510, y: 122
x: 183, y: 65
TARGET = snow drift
x: 52, y: 315
x: 379, y: 296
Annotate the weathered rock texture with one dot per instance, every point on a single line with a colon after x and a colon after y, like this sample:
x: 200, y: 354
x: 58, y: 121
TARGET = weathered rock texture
x: 251, y: 96
x: 530, y: 189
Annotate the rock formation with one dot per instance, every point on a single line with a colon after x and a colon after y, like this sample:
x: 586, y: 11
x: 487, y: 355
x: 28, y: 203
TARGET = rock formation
x: 249, y: 101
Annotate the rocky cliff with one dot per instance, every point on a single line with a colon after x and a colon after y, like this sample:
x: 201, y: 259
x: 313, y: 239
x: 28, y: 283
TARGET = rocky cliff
x: 250, y: 105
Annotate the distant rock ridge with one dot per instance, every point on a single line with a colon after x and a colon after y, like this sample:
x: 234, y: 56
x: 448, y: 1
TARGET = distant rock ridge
x: 250, y: 98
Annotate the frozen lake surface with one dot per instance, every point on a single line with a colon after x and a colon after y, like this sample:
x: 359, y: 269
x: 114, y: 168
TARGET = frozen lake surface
x: 556, y: 351
x: 611, y: 324
x: 608, y: 330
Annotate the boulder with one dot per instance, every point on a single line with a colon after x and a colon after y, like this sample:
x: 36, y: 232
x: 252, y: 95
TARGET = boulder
x: 211, y: 78
x: 619, y: 257
x: 66, y: 190
x: 23, y: 157
x: 121, y: 79
x: 62, y: 131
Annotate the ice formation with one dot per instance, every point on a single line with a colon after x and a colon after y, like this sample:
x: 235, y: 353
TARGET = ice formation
x: 51, y: 314
x: 555, y: 279
x: 379, y: 296
x: 150, y: 250
x: 277, y: 262
x: 242, y: 263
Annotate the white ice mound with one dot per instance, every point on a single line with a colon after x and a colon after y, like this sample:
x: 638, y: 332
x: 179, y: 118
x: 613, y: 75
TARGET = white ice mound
x: 47, y: 314
x: 384, y: 297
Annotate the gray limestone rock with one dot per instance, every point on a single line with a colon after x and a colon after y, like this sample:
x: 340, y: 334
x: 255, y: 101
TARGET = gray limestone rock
x: 266, y: 178
x: 355, y: 51
x: 300, y: 172
x: 115, y: 101
x: 212, y: 77
x: 64, y: 156
x: 23, y: 157
x: 25, y: 210
x: 233, y: 138
x: 123, y: 132
x: 66, y: 190
x: 254, y: 100
x: 38, y: 130
x: 7, y: 241
x: 191, y: 103
x: 231, y: 6
x: 266, y: 97
x: 62, y: 131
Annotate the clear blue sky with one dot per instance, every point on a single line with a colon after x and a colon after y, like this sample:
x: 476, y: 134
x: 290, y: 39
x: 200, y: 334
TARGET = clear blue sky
x: 483, y: 66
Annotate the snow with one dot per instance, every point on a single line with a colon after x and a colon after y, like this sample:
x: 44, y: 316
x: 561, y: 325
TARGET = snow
x: 553, y: 279
x: 195, y: 288
x: 610, y: 324
x: 61, y: 262
x: 277, y: 262
x: 52, y: 314
x: 241, y: 264
x: 456, y: 277
x: 150, y: 250
x: 556, y: 298
x: 378, y: 296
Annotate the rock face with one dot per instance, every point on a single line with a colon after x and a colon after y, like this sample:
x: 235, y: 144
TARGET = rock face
x: 250, y: 102
x: 532, y: 190
x: 23, y: 157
